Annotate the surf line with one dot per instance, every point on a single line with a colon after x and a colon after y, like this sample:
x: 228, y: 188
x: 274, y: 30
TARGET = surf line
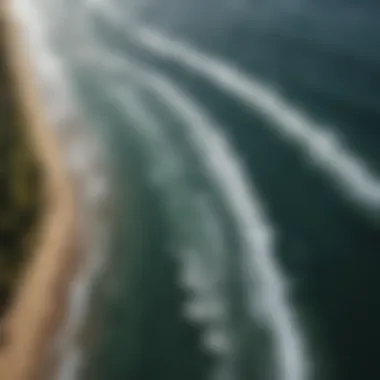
x: 206, y: 305
x: 267, y: 286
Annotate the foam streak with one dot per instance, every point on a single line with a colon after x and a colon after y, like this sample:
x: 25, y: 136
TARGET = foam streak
x: 270, y: 300
x: 316, y: 141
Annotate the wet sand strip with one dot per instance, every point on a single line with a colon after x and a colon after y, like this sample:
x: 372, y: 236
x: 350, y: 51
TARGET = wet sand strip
x: 38, y: 307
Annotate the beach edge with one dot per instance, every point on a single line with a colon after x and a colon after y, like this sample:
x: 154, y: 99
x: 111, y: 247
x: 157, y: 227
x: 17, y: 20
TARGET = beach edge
x: 40, y: 302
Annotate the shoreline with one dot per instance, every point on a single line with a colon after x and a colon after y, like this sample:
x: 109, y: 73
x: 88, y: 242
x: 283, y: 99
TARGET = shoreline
x: 40, y: 303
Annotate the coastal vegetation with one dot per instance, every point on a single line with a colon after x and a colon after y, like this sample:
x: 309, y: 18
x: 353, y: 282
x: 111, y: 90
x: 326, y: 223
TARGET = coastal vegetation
x: 19, y: 185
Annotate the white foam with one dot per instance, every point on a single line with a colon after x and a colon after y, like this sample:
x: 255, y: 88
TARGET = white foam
x: 206, y: 303
x: 205, y: 310
x: 255, y: 230
x: 70, y: 366
x: 215, y: 340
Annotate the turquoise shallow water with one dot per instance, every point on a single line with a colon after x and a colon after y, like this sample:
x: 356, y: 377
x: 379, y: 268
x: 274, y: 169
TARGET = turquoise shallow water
x: 243, y: 138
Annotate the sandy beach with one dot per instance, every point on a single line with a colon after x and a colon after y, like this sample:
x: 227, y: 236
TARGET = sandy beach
x: 38, y: 308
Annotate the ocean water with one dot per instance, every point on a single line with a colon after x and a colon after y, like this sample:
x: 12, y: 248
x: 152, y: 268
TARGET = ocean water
x: 243, y: 141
